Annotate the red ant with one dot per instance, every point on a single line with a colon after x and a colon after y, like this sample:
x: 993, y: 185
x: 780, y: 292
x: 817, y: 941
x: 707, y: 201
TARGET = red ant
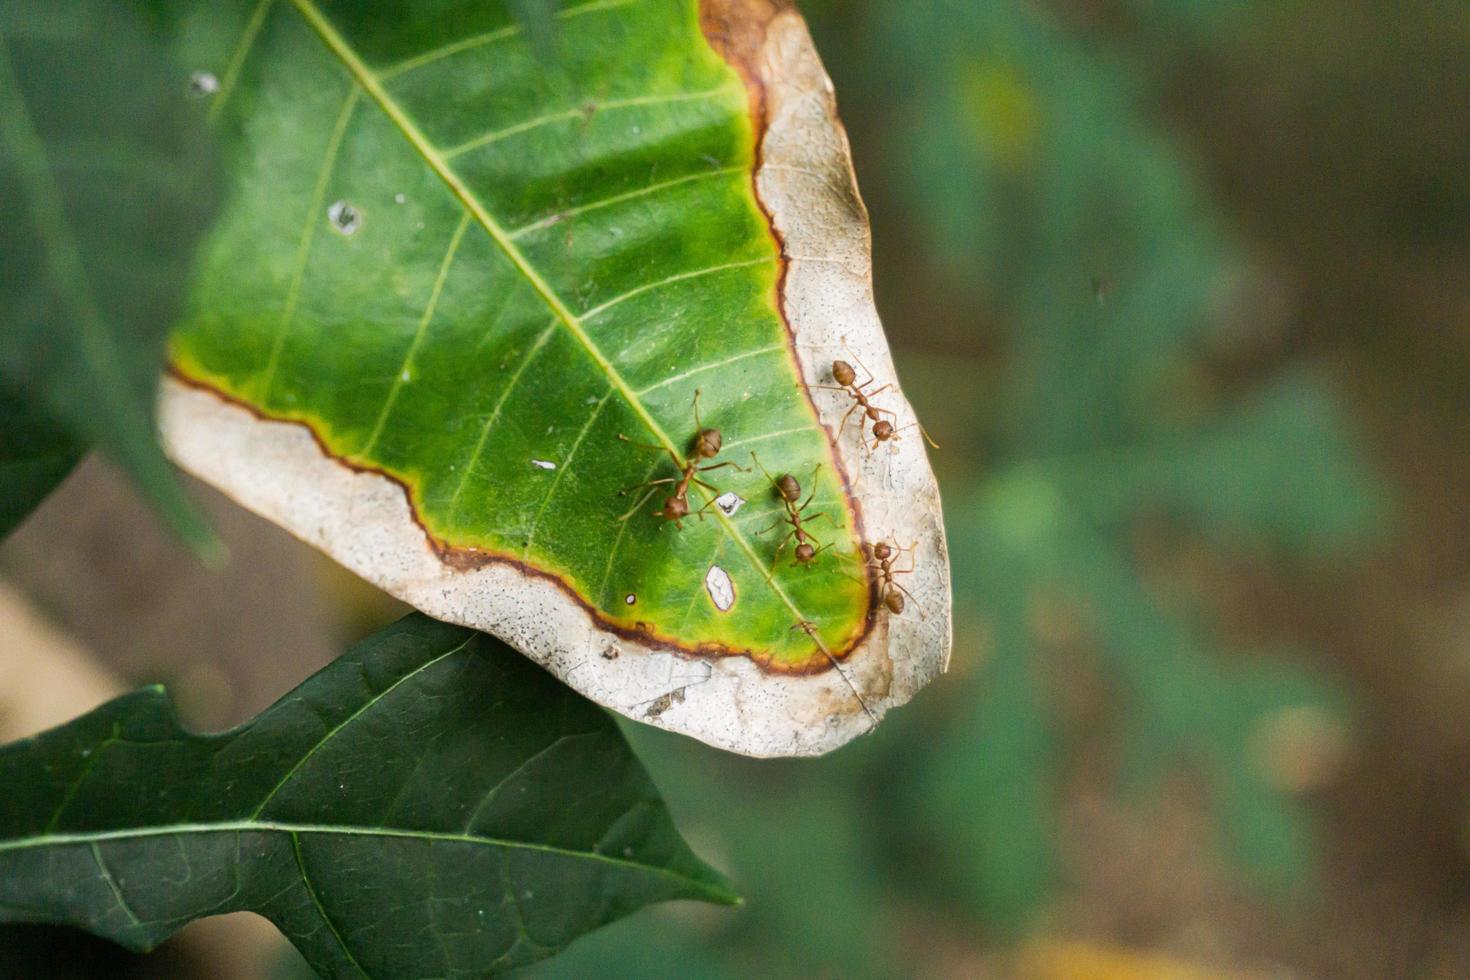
x: 707, y: 444
x: 883, y: 430
x: 790, y: 492
x: 882, y: 556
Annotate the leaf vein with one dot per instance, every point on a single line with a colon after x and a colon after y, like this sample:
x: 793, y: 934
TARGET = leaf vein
x: 583, y: 112
x: 561, y: 471
x: 366, y: 705
x: 237, y: 58
x: 495, y: 414
x: 700, y: 369
x: 602, y: 308
x: 560, y: 216
x: 418, y: 337
x: 308, y: 235
x: 321, y: 909
x: 490, y: 37
x: 122, y: 903
x: 282, y: 827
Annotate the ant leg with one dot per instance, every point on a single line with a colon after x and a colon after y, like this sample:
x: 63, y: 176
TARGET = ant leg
x: 639, y: 505
x: 879, y: 391
x: 860, y: 364
x: 820, y: 515
x: 813, y: 495
x: 697, y: 424
x: 708, y: 503
x: 766, y: 530
x: 718, y: 466
x: 639, y: 486
x: 912, y: 559
x: 843, y: 427
x: 809, y: 628
x: 658, y: 449
x: 915, y: 424
x: 776, y: 559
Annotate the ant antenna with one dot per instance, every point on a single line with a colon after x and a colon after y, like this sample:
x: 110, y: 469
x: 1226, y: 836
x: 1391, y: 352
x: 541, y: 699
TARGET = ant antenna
x: 756, y: 460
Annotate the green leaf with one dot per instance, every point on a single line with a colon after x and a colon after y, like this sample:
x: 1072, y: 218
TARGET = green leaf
x: 466, y: 304
x: 107, y: 183
x: 538, y: 20
x: 451, y: 261
x: 429, y: 804
x: 35, y: 455
x: 1278, y: 465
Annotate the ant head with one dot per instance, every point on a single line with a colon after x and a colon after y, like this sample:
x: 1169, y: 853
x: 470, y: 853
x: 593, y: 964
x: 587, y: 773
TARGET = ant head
x: 805, y: 552
x: 894, y: 601
x: 882, y: 551
x: 675, y: 508
x: 788, y: 488
x: 843, y: 373
x: 883, y: 430
x: 707, y: 443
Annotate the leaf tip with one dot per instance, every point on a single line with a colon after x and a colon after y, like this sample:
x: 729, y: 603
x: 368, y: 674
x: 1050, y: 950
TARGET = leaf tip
x: 212, y: 553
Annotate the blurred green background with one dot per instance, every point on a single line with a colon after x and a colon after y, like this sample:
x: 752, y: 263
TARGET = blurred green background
x: 1182, y: 287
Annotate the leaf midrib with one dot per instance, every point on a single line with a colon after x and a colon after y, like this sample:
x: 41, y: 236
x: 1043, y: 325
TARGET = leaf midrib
x: 372, y: 85
x: 345, y: 830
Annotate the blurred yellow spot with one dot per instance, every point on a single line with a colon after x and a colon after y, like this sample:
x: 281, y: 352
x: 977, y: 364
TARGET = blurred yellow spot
x: 1085, y: 961
x: 1001, y: 111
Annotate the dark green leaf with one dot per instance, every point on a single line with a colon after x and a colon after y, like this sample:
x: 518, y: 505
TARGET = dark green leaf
x: 35, y: 455
x: 106, y: 184
x: 432, y: 804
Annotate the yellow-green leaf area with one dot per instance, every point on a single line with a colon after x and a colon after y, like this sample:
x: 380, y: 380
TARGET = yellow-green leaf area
x: 472, y: 268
